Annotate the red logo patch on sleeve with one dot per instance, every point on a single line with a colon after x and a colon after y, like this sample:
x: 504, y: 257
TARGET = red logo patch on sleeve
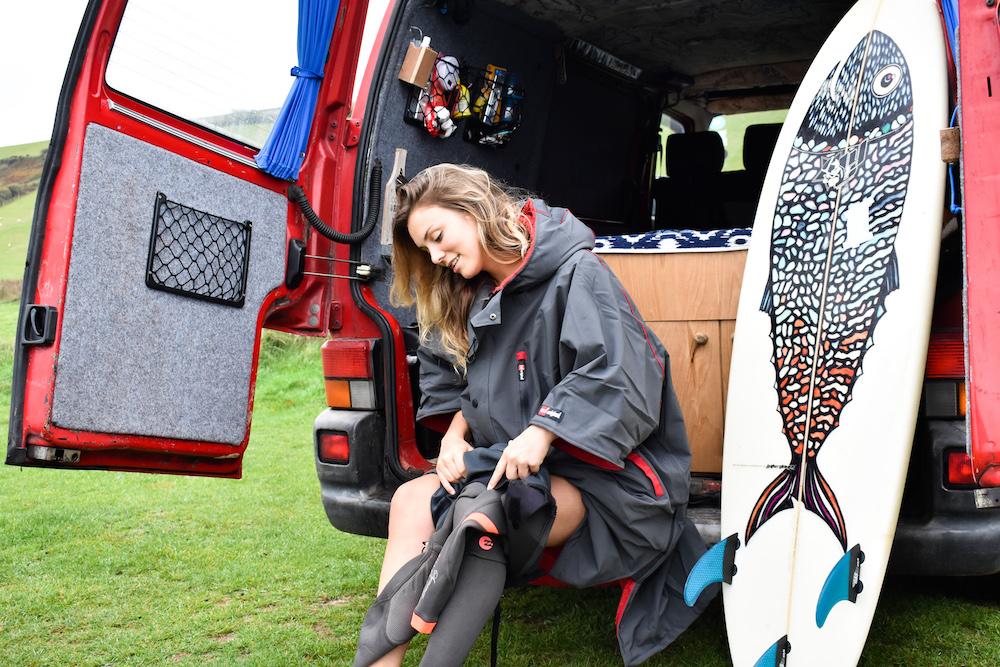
x: 550, y: 413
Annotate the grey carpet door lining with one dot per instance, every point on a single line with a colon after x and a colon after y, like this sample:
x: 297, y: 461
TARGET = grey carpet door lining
x: 159, y: 326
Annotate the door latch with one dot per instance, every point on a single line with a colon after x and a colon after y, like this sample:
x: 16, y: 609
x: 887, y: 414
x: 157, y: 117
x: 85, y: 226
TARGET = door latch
x: 39, y: 325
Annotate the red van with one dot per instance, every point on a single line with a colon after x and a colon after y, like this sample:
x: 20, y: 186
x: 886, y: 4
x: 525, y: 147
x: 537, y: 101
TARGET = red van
x: 161, y: 247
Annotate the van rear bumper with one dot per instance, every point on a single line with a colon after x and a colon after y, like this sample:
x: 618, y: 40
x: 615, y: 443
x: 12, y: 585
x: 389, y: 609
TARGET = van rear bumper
x: 948, y: 545
x: 354, y: 494
x: 949, y: 536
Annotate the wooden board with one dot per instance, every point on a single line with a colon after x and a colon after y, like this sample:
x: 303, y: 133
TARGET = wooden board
x: 682, y: 286
x: 831, y: 335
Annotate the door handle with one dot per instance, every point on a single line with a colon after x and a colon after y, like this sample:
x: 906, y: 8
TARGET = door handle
x: 39, y: 325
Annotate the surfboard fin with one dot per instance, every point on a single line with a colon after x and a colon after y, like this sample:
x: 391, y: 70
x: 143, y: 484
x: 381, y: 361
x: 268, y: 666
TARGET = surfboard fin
x: 715, y: 565
x: 892, y: 273
x: 767, y: 301
x: 843, y: 583
x: 776, y: 655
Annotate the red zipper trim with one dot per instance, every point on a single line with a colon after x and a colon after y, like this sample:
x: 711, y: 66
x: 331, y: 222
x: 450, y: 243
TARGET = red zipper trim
x: 627, y: 586
x: 527, y: 219
x: 585, y: 456
x: 643, y: 465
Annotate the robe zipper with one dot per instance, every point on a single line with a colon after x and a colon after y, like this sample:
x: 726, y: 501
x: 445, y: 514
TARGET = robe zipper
x: 522, y: 378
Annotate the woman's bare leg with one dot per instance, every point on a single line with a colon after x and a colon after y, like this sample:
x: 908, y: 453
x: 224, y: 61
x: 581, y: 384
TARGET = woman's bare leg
x: 570, y: 511
x: 410, y: 525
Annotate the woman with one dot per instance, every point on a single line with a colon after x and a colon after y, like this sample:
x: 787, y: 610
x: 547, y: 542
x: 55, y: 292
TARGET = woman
x: 528, y: 338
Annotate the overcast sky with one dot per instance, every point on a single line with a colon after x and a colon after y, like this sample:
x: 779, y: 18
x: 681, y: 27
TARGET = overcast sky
x: 35, y: 42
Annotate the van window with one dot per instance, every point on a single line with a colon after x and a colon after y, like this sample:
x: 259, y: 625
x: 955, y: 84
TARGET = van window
x: 373, y: 21
x: 222, y: 64
x: 732, y: 127
x: 668, y: 126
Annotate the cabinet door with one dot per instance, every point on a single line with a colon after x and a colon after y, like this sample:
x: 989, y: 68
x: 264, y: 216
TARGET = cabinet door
x: 695, y: 365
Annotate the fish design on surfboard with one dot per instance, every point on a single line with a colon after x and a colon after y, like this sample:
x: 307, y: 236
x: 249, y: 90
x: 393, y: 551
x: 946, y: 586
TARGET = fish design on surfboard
x: 835, y: 222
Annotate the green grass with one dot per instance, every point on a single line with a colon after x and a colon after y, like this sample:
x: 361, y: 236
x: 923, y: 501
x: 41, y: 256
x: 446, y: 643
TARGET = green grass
x: 15, y: 228
x: 107, y: 568
x: 35, y: 148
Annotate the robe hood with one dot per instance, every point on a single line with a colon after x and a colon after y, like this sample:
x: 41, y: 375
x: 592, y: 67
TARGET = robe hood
x: 556, y: 234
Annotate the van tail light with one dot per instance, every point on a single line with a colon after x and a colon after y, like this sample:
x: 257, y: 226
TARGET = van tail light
x: 946, y: 355
x: 959, y: 468
x: 333, y: 447
x: 348, y: 370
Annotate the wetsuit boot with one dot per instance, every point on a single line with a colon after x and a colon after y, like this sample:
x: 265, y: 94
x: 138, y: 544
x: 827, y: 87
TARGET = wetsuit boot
x: 387, y: 622
x: 414, y: 599
x: 476, y: 512
x: 478, y: 589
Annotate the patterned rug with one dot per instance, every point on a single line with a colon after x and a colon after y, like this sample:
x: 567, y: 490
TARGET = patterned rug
x: 675, y: 240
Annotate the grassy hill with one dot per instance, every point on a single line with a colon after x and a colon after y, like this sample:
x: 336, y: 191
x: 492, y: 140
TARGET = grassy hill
x: 20, y: 171
x: 19, y: 175
x: 251, y: 127
x: 36, y: 148
x: 15, y: 226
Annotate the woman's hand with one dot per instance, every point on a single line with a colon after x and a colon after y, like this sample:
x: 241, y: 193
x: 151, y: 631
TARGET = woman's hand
x: 451, y: 459
x: 523, y: 455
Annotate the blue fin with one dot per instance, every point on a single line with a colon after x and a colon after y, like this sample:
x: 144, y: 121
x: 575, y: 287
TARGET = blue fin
x: 715, y: 565
x: 891, y: 274
x: 843, y: 583
x: 767, y: 301
x: 776, y: 655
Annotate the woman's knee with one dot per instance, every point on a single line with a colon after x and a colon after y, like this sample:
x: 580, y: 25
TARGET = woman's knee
x: 410, y: 507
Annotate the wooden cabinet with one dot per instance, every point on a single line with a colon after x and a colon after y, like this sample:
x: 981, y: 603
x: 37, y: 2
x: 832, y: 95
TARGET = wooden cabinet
x: 689, y: 301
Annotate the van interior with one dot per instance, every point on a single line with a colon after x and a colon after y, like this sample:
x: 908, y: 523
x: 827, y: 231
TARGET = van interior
x: 635, y: 116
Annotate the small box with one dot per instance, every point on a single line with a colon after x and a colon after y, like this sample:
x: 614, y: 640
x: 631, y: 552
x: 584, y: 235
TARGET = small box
x: 417, y: 65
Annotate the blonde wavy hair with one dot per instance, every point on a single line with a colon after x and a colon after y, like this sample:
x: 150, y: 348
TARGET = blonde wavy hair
x: 443, y: 299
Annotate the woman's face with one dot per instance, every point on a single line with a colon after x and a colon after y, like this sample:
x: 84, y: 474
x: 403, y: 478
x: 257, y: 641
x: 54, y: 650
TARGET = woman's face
x: 449, y: 236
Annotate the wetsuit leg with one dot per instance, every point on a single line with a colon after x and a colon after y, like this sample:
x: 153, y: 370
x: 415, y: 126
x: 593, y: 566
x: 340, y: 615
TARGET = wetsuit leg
x: 387, y: 623
x: 477, y: 591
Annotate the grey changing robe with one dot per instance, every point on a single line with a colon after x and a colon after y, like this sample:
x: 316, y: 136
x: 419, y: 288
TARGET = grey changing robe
x: 561, y: 345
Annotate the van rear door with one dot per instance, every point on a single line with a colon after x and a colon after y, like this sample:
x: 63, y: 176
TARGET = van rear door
x: 979, y: 53
x: 159, y: 248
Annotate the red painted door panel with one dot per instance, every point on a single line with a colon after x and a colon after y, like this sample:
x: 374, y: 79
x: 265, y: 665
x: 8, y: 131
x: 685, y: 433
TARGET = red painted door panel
x: 980, y: 99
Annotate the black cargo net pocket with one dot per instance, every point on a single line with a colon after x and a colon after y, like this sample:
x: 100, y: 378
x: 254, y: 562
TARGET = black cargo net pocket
x: 197, y: 254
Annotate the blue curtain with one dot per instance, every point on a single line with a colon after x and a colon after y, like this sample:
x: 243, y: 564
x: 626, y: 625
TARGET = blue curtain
x: 285, y: 147
x: 950, y: 10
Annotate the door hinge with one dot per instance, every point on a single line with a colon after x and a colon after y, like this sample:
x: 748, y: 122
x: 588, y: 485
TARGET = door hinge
x: 336, y: 316
x: 352, y: 133
x: 53, y: 454
x: 39, y: 325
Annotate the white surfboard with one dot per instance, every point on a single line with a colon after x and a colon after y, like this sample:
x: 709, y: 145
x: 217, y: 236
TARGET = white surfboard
x: 831, y: 339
